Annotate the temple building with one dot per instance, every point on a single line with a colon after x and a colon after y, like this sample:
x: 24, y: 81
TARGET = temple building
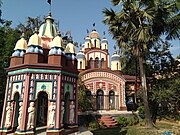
x: 108, y: 88
x: 41, y: 85
x: 42, y: 89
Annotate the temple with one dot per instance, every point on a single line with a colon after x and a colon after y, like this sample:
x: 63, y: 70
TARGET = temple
x: 41, y: 84
x: 42, y: 88
x: 108, y: 88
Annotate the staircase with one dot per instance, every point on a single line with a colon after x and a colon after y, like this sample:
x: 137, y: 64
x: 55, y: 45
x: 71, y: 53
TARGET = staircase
x: 108, y: 121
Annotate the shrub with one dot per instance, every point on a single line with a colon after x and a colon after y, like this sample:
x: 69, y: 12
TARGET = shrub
x: 94, y: 125
x: 122, y: 121
x: 132, y: 121
x: 101, y: 124
x: 141, y: 111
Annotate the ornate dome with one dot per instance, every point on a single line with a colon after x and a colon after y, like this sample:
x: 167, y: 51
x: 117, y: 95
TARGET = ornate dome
x: 87, y: 39
x: 21, y: 44
x: 57, y: 42
x: 80, y: 55
x: 34, y: 44
x: 70, y: 48
x: 105, y: 40
x: 94, y: 34
x: 115, y: 57
x: 48, y: 29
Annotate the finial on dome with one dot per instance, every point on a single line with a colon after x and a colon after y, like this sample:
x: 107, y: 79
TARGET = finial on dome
x: 36, y: 30
x: 115, y: 51
x: 49, y: 17
x: 58, y: 33
x: 23, y: 35
x: 70, y: 39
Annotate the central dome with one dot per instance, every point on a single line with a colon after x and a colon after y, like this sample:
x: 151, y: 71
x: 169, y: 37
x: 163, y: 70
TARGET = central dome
x: 94, y: 34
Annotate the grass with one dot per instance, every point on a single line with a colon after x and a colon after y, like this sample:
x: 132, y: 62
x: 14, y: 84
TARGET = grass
x: 140, y: 130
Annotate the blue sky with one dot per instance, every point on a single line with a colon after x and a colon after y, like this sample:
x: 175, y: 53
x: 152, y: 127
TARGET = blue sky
x: 74, y: 15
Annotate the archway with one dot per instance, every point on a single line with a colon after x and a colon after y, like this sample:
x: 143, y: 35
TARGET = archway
x: 42, y: 109
x: 66, y: 107
x: 111, y: 100
x: 100, y: 100
x: 16, y: 111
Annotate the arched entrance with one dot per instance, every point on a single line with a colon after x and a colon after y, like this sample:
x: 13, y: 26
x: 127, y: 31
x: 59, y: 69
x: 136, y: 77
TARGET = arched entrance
x: 111, y: 100
x: 42, y: 109
x: 66, y: 107
x: 100, y: 100
x: 16, y: 111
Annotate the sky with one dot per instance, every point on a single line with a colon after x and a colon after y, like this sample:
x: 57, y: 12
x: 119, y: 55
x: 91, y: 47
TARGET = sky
x: 74, y: 15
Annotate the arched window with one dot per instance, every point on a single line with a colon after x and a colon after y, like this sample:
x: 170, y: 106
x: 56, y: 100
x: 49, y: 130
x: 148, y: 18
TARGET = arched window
x: 88, y: 94
x: 96, y: 62
x: 80, y: 64
x: 105, y: 46
x: 91, y: 63
x: 117, y: 65
x: 95, y: 43
x: 102, y: 63
x: 88, y: 45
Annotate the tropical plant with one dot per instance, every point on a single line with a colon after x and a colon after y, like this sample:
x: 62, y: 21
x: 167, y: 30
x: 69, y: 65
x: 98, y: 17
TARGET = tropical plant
x: 137, y: 27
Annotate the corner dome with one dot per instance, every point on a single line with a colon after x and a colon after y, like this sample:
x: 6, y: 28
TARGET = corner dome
x: 21, y: 44
x: 115, y: 57
x: 87, y: 39
x: 70, y: 48
x: 94, y: 34
x: 48, y: 29
x: 105, y: 40
x: 80, y: 55
x: 57, y: 42
x: 34, y: 40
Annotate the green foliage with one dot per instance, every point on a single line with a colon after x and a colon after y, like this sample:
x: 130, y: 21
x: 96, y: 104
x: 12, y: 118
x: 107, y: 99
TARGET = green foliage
x: 101, y: 124
x: 141, y: 111
x: 94, y: 125
x: 133, y: 121
x: 9, y: 37
x: 84, y: 103
x: 122, y: 121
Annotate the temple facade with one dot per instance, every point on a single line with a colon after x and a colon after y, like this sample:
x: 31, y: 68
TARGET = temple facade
x: 108, y: 88
x: 41, y: 85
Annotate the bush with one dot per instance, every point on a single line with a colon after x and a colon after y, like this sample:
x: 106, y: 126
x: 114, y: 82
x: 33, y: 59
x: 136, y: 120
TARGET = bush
x: 132, y: 121
x: 101, y: 124
x: 141, y: 112
x: 122, y: 121
x: 94, y: 125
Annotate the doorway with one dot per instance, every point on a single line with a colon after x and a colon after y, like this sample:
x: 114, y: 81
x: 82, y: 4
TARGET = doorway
x: 42, y: 109
x: 111, y: 100
x: 66, y: 107
x: 16, y: 100
x: 100, y: 100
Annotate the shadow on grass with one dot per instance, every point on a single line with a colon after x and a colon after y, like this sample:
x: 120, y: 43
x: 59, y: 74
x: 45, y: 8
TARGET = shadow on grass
x: 110, y: 131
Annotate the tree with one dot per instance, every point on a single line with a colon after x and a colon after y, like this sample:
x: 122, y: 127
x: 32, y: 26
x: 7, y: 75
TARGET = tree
x: 9, y: 37
x: 84, y: 103
x: 30, y: 25
x: 137, y: 27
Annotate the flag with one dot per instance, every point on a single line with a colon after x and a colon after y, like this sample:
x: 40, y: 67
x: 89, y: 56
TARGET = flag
x: 87, y: 31
x: 104, y: 32
x: 49, y: 1
x: 68, y: 32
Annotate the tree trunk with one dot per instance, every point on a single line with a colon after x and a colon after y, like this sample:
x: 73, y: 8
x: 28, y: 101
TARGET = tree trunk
x: 149, y: 123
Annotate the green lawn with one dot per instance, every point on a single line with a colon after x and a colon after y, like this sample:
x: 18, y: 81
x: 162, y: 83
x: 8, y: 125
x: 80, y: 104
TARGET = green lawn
x: 140, y: 130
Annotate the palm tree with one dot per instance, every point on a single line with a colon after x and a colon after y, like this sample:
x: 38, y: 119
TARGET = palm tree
x: 137, y: 27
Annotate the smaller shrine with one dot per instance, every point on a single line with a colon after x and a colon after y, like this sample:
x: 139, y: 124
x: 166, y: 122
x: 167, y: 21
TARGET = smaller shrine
x: 41, y: 85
